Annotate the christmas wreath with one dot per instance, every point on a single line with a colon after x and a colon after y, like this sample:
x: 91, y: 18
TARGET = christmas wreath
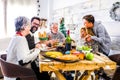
x: 115, y: 11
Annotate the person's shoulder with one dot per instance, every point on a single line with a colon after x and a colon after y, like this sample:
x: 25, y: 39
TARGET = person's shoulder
x: 98, y: 24
x: 17, y: 39
x: 49, y: 32
x: 20, y: 38
x: 36, y: 33
x: 60, y: 32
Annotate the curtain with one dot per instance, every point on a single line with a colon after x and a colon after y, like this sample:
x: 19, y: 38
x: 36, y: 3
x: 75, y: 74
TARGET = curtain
x: 2, y: 31
x: 17, y: 8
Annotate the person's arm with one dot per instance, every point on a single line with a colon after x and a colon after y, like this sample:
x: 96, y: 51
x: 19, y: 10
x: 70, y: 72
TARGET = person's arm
x: 100, y: 36
x: 23, y: 53
x: 31, y: 41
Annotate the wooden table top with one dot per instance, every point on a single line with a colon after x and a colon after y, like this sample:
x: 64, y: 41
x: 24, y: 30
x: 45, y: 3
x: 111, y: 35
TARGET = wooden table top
x: 98, y: 62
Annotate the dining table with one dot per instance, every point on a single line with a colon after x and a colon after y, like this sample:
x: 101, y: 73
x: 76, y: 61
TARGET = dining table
x: 100, y: 61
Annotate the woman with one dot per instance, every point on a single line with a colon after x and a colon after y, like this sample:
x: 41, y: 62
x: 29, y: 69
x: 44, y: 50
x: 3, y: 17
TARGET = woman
x: 85, y: 41
x: 18, y: 51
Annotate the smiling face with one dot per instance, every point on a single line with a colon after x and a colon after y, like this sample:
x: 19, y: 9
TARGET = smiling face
x: 83, y: 32
x: 35, y: 23
x: 54, y: 28
x: 27, y: 28
x: 87, y: 24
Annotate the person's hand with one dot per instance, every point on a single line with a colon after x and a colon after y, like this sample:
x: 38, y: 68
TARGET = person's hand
x: 88, y: 38
x: 55, y: 40
x: 49, y: 37
x: 37, y: 45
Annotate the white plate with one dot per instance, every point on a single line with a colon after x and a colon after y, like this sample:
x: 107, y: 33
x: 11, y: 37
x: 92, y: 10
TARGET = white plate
x: 46, y: 60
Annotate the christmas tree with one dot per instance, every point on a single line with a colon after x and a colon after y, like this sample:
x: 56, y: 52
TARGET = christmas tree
x: 62, y: 27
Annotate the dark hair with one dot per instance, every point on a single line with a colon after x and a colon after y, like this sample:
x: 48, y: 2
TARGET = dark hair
x: 89, y: 18
x: 20, y: 22
x: 35, y: 18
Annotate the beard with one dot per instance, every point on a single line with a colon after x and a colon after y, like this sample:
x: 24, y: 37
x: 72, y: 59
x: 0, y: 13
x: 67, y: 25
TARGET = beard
x: 33, y: 29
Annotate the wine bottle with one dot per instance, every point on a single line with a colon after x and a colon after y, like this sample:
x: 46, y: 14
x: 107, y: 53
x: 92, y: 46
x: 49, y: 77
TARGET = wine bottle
x: 68, y: 41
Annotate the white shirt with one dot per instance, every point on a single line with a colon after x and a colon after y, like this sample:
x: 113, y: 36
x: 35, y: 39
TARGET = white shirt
x: 18, y: 50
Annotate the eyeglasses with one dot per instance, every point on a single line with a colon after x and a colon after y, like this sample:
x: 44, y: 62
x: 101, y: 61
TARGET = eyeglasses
x: 36, y: 24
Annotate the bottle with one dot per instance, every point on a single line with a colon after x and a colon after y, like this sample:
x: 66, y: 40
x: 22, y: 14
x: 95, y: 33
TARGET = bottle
x: 68, y: 41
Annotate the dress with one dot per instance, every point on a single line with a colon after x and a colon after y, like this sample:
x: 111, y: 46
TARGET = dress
x: 18, y: 53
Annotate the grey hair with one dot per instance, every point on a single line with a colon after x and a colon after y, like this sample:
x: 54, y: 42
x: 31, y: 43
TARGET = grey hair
x: 51, y: 25
x: 20, y: 22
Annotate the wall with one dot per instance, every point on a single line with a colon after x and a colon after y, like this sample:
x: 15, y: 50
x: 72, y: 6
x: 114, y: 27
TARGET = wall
x: 46, y: 7
x: 65, y: 3
x: 14, y: 9
x: 99, y: 8
x: 73, y: 13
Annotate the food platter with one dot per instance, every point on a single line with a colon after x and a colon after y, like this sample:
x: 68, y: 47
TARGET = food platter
x: 48, y: 49
x: 60, y: 60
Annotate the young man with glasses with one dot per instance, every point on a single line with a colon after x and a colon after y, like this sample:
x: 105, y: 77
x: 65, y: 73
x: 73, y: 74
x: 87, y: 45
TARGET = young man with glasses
x: 35, y: 23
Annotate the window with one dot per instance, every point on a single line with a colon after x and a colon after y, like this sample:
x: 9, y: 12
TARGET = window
x: 2, y: 28
x: 15, y: 8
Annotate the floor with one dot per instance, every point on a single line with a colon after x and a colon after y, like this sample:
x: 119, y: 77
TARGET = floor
x: 109, y: 72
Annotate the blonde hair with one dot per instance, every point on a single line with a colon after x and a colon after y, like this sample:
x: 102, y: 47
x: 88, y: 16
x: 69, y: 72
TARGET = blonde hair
x: 88, y: 31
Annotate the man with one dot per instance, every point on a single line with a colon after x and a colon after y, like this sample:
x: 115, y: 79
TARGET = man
x: 35, y: 22
x: 54, y: 35
x: 101, y: 35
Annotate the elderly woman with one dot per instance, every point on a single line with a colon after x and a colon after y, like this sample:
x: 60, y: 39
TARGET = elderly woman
x: 18, y: 51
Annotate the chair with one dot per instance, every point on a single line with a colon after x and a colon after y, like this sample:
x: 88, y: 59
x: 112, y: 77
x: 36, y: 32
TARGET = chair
x: 116, y: 58
x: 116, y: 75
x: 16, y: 71
x: 3, y: 56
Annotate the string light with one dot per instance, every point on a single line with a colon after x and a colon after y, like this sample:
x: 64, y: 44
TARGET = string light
x: 38, y: 7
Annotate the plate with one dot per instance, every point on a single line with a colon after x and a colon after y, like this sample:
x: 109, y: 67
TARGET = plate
x: 46, y: 60
x: 60, y: 60
x: 47, y: 49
